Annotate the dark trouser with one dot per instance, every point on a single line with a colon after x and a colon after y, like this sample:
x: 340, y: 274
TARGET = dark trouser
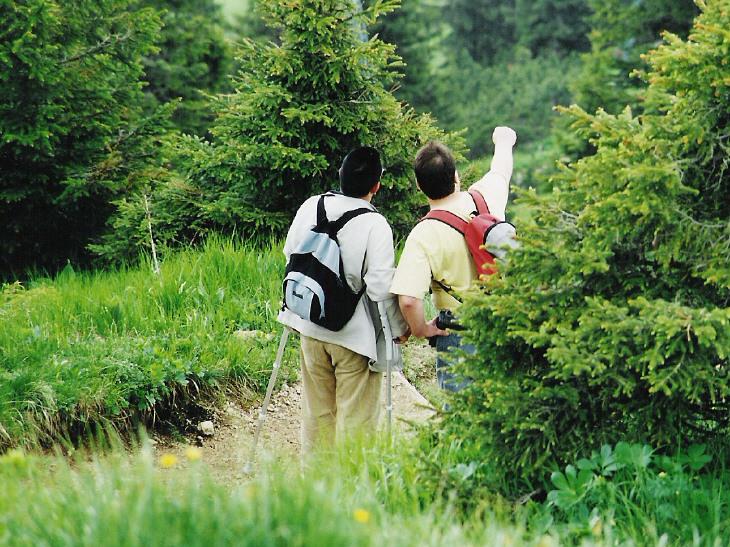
x: 445, y: 346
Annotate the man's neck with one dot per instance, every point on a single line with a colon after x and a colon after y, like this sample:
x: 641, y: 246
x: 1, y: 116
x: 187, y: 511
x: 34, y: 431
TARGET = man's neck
x: 444, y: 202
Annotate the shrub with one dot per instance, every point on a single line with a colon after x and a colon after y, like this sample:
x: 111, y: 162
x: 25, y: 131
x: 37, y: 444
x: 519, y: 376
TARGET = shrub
x: 611, y: 320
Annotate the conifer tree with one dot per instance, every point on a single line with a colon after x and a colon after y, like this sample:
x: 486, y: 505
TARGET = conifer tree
x: 621, y: 32
x: 72, y: 133
x: 611, y: 322
x: 193, y: 58
x: 415, y: 29
x: 298, y: 107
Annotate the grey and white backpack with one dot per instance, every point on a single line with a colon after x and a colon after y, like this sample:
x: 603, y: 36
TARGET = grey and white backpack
x: 314, y: 285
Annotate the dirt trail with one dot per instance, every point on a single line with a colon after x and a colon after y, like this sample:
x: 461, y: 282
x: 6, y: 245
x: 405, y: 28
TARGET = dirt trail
x: 226, y: 452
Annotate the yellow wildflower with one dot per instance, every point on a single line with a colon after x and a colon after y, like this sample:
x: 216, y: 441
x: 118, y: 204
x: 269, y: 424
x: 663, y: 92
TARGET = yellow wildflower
x: 192, y: 453
x: 168, y: 460
x: 16, y: 456
x: 362, y: 516
x: 597, y: 528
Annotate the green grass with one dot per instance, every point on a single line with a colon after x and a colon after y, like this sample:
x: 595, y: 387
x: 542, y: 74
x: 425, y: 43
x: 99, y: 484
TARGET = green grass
x: 87, y: 347
x: 111, y: 347
x: 354, y: 496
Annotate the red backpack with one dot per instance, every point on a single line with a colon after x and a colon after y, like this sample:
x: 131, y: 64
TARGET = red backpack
x: 485, y: 234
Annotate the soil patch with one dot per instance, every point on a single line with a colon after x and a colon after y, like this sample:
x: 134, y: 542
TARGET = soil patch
x: 224, y: 441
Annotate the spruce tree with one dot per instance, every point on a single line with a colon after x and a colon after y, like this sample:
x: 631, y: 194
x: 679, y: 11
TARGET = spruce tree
x: 193, y: 58
x: 298, y: 107
x: 72, y: 133
x: 611, y: 322
x: 416, y: 30
x: 621, y: 32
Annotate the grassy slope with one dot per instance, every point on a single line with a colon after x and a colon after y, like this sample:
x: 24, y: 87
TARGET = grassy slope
x: 358, y: 496
x: 88, y: 347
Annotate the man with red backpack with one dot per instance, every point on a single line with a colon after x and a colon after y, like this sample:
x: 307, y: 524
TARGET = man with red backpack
x: 436, y: 255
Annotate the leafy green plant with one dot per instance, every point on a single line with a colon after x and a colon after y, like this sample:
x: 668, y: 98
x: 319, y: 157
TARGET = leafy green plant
x: 631, y: 488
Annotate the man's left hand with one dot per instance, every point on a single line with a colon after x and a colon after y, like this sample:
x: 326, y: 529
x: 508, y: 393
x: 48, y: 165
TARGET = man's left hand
x: 403, y: 337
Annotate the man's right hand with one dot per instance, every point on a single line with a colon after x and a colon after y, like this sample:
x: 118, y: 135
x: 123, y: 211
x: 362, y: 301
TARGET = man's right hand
x: 504, y: 135
x: 432, y: 330
x: 412, y: 309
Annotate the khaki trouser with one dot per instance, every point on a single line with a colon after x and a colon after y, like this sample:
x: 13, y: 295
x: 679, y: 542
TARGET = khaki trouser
x: 340, y: 395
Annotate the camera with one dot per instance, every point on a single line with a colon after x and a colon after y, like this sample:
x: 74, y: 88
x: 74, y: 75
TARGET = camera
x: 445, y: 321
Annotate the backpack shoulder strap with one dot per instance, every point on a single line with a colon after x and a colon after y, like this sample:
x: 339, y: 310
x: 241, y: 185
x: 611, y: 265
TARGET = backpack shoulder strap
x: 347, y: 217
x: 455, y: 221
x: 321, y: 213
x: 332, y: 227
x: 479, y: 201
x: 447, y: 217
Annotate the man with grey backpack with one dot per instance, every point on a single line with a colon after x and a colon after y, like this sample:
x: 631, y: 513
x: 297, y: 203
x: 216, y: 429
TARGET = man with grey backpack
x: 340, y: 264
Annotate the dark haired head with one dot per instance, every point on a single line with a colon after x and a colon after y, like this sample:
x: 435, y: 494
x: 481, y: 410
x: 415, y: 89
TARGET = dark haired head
x: 360, y: 171
x: 435, y: 169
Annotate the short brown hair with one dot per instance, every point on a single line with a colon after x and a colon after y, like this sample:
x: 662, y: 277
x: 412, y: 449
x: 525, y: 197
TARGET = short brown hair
x: 435, y: 169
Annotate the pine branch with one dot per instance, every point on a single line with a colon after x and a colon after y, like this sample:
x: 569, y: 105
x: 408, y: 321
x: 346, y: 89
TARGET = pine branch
x: 105, y: 43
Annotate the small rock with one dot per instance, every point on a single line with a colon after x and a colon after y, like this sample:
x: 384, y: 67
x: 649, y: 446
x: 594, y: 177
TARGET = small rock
x: 206, y: 428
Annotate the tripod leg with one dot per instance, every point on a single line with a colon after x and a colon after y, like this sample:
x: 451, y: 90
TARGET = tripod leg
x: 265, y: 406
x: 389, y: 357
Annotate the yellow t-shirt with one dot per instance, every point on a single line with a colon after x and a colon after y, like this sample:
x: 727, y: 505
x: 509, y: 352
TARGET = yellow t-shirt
x: 435, y: 251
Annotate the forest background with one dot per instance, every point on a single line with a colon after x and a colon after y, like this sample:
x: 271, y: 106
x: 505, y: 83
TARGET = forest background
x: 104, y: 125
